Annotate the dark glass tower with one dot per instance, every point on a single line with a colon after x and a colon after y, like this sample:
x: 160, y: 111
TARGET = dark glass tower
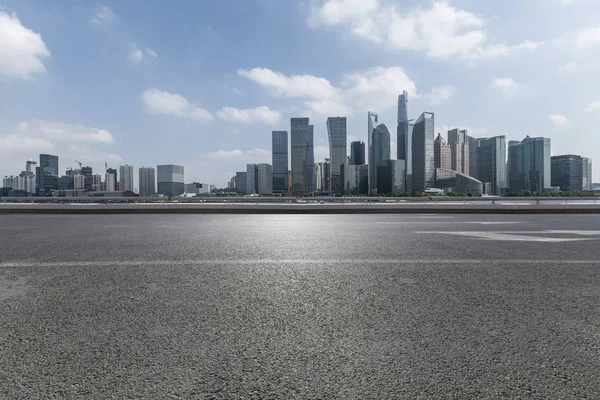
x: 280, y: 161
x: 336, y: 132
x: 357, y: 153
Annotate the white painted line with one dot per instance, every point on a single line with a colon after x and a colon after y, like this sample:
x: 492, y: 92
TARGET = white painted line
x: 509, y: 236
x: 574, y: 232
x: 495, y: 222
x: 167, y: 263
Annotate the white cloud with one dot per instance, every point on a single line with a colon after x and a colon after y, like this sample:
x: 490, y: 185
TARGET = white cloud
x: 505, y: 85
x: 104, y: 16
x: 201, y: 115
x: 21, y: 49
x: 496, y: 50
x: 225, y: 154
x: 290, y: 86
x: 89, y: 155
x: 336, y: 11
x: 262, y: 115
x: 326, y: 108
x: 136, y: 55
x: 375, y: 88
x: 440, y: 30
x: 594, y: 107
x: 158, y: 102
x: 63, y: 132
x: 559, y: 120
x: 19, y: 143
x: 588, y: 37
x: 441, y: 94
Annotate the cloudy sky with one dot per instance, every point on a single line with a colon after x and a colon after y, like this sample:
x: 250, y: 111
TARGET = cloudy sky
x: 203, y: 83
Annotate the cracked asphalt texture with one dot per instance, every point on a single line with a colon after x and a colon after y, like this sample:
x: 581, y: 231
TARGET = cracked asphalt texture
x: 297, y: 306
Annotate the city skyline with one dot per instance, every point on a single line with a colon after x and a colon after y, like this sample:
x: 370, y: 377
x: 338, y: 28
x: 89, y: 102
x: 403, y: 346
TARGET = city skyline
x: 78, y: 109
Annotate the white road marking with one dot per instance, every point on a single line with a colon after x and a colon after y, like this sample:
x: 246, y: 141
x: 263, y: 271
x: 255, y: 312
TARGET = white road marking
x: 511, y: 237
x: 585, y: 233
x: 165, y: 263
x: 495, y: 222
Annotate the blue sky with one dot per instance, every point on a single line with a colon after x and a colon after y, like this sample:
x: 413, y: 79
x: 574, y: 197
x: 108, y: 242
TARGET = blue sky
x: 203, y: 83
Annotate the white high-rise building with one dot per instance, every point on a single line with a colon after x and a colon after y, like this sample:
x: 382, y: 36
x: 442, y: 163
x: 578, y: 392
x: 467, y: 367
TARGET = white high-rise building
x: 97, y: 183
x: 109, y: 182
x: 78, y: 181
x: 147, y: 181
x: 126, y: 177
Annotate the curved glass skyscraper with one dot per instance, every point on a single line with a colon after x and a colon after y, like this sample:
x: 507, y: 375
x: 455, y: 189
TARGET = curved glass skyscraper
x: 378, y: 151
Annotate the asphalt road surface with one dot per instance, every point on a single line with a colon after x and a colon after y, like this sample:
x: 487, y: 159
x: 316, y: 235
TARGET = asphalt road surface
x: 299, y: 306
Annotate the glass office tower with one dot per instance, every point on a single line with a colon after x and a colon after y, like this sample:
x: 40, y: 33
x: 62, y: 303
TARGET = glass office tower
x: 423, y: 163
x: 336, y: 132
x: 299, y: 140
x: 310, y: 159
x: 379, y: 152
x: 491, y: 163
x: 280, y: 161
x: 529, y: 164
x: 357, y: 153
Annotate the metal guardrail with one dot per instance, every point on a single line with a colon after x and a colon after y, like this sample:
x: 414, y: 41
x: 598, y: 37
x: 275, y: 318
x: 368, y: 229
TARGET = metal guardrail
x: 358, y: 199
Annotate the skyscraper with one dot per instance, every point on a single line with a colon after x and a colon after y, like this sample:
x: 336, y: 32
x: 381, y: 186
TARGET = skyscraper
x: 587, y: 173
x: 390, y: 177
x: 147, y: 183
x: 379, y: 152
x: 491, y: 163
x: 265, y: 179
x: 473, y: 156
x: 442, y: 153
x: 327, y: 175
x: 280, y: 161
x: 310, y: 159
x: 109, y: 181
x: 459, y: 147
x: 404, y: 138
x: 319, y: 178
x: 47, y: 173
x: 259, y: 179
x: 170, y: 179
x: 567, y: 172
x: 97, y: 183
x: 299, y: 140
x: 529, y: 164
x: 336, y: 132
x: 357, y: 153
x: 88, y: 174
x: 240, y: 182
x: 78, y: 182
x: 114, y: 184
x: 251, y: 179
x: 372, y: 119
x: 126, y: 177
x: 423, y: 163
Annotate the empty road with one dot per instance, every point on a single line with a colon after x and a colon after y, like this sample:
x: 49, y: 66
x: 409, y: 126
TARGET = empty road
x: 299, y: 306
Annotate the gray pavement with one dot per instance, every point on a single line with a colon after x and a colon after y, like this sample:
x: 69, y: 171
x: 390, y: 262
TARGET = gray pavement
x: 299, y: 306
